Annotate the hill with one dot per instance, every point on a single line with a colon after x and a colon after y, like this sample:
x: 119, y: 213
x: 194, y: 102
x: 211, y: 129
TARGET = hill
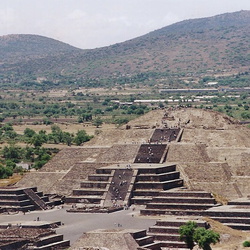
x: 188, y: 48
x: 19, y: 48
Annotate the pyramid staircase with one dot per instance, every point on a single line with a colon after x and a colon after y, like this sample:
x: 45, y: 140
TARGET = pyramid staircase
x: 164, y: 135
x: 150, y: 153
x: 106, y: 188
x: 93, y: 191
x: 35, y: 199
x: 151, y: 180
x: 23, y: 199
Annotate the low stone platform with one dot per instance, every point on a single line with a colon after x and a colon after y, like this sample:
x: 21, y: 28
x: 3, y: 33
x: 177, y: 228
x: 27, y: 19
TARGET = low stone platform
x: 31, y: 224
x: 32, y: 235
x: 23, y: 199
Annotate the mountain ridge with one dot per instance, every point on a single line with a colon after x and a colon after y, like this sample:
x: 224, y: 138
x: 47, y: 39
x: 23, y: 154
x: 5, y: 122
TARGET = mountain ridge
x: 219, y: 43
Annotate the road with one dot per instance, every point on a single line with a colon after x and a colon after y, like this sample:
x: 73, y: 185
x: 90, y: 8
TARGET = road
x: 74, y: 224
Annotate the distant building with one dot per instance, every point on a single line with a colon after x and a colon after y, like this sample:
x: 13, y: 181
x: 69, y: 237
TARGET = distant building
x: 212, y: 83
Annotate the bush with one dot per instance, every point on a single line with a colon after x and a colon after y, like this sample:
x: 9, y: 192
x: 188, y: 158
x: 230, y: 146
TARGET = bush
x: 246, y: 243
x: 5, y: 172
x: 205, y: 237
x: 191, y: 233
x: 187, y: 233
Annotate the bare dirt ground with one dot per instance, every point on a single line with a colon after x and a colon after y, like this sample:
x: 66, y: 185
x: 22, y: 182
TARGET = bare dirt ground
x: 229, y: 238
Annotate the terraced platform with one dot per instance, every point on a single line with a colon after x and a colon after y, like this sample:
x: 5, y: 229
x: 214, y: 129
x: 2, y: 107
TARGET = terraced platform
x: 179, y: 202
x: 32, y: 235
x: 23, y: 199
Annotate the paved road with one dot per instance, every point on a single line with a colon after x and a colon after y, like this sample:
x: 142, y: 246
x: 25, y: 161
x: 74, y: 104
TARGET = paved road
x: 77, y: 223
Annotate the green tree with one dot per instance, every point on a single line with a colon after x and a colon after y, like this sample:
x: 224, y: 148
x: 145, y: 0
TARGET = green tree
x: 187, y: 233
x: 81, y: 137
x: 205, y: 238
x: 97, y: 122
x: 245, y: 115
x: 68, y: 138
x: 29, y: 132
x: 12, y: 153
x: 37, y: 140
x: 5, y: 172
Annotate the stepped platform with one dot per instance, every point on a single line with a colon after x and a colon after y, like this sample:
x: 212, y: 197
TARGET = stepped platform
x: 165, y: 234
x: 33, y: 237
x: 109, y: 186
x: 179, y: 202
x: 145, y: 241
x: 23, y: 199
x: 93, y: 190
x: 234, y: 216
x: 31, y: 224
x: 108, y: 239
x: 150, y: 181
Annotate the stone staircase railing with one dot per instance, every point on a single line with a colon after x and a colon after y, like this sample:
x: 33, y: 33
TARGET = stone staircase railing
x: 35, y: 199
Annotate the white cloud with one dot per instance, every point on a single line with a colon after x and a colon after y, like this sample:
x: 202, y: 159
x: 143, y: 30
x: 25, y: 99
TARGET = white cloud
x: 90, y: 24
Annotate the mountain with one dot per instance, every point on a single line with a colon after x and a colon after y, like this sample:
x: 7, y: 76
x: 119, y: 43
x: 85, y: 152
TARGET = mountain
x: 191, y: 47
x: 18, y: 48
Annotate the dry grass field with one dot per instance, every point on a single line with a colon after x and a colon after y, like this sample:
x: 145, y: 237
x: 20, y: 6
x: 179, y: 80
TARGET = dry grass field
x: 70, y: 127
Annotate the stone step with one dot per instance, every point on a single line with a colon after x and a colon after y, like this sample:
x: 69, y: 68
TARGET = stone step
x: 196, y: 194
x: 159, y: 185
x: 99, y: 177
x: 16, y: 191
x: 242, y: 220
x: 45, y: 198
x: 163, y: 229
x: 192, y: 200
x: 84, y: 199
x: 239, y: 203
x: 92, y: 184
x: 165, y: 237
x: 15, y: 203
x: 139, y: 234
x: 153, y: 211
x: 103, y: 171
x: 49, y: 239
x: 238, y: 226
x: 158, y: 170
x: 173, y: 244
x: 13, y: 197
x: 56, y: 245
x: 158, y: 177
x: 88, y: 191
x: 146, y: 192
x: 35, y: 198
x: 152, y: 246
x: 176, y: 223
x: 27, y: 208
x: 145, y: 240
x: 212, y: 213
x: 140, y: 200
x: 177, y: 206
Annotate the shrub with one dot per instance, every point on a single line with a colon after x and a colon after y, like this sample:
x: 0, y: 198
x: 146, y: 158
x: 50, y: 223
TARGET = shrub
x: 246, y: 243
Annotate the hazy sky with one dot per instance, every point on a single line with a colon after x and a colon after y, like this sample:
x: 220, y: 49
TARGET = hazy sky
x: 97, y: 23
